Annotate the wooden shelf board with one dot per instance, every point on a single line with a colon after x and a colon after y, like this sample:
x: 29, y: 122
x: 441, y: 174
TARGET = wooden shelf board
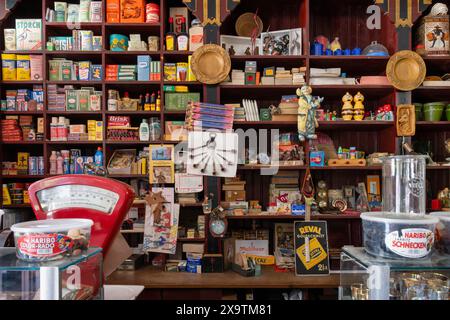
x: 79, y: 82
x: 183, y: 83
x: 85, y: 142
x: 348, y: 58
x: 132, y: 53
x: 132, y: 25
x: 177, y: 53
x: 75, y: 113
x: 268, y: 57
x: 19, y: 82
x: 64, y: 25
x: 22, y: 142
x: 191, y: 239
x: 137, y: 113
x: 292, y: 217
x: 128, y: 176
x: 16, y: 206
x: 25, y: 176
x: 330, y: 125
x: 260, y: 167
x: 22, y: 112
x: 132, y: 83
x: 150, y: 277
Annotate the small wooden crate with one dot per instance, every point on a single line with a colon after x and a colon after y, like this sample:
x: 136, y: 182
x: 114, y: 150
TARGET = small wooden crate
x: 347, y: 162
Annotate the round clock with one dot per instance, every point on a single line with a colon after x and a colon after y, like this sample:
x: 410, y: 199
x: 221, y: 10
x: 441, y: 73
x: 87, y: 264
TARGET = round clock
x: 217, y: 227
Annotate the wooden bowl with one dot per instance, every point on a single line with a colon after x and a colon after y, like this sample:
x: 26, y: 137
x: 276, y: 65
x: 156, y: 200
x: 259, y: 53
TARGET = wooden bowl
x: 245, y: 25
x: 406, y: 70
x: 211, y: 64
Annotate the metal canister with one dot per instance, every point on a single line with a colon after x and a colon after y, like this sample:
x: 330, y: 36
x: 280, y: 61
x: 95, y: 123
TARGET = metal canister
x: 33, y: 166
x: 152, y: 13
x: 41, y: 170
x: 153, y: 43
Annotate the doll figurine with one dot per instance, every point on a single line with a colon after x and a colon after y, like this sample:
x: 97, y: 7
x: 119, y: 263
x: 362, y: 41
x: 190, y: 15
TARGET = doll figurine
x: 347, y: 108
x: 306, y: 115
x: 358, y: 109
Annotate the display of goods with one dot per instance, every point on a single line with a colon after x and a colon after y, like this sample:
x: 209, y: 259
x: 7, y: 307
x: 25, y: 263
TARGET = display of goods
x: 442, y: 231
x: 46, y: 240
x: 392, y: 236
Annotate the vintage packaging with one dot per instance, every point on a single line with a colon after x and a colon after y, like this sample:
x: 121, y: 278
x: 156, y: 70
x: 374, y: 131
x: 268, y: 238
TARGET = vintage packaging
x: 95, y: 102
x: 170, y: 72
x: 9, y: 67
x: 40, y: 125
x: 36, y: 68
x: 317, y: 158
x: 96, y: 72
x: 66, y: 70
x: 54, y: 70
x: 23, y: 67
x: 86, y: 40
x: 132, y: 11
x: 91, y: 127
x: 10, y: 39
x: 99, y: 130
x: 83, y: 97
x: 178, y: 13
x: 195, y: 37
x: 84, y: 71
x: 433, y: 34
x: 29, y: 34
x: 112, y: 11
x: 84, y: 10
x: 73, y: 12
x: 60, y: 11
x: 71, y: 100
x: 97, y: 43
x: 143, y: 68
x: 22, y: 162
x: 190, y: 76
x: 77, y: 128
x: 182, y: 70
x: 96, y: 11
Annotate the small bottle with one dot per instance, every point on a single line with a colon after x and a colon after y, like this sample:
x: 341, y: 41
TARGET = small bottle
x: 144, y: 131
x: 183, y: 37
x: 158, y: 102
x: 170, y: 37
x: 98, y: 157
x: 59, y: 163
x: 147, y: 102
x: 153, y: 102
x: 53, y: 159
x: 155, y: 129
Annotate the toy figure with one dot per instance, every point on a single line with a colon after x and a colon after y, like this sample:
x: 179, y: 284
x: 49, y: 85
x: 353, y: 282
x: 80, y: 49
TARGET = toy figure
x: 306, y: 116
x: 347, y: 108
x: 335, y: 45
x: 358, y: 113
x: 155, y: 200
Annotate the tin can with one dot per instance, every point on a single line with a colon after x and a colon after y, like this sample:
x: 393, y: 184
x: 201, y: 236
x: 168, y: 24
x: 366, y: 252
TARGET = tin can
x: 33, y: 166
x: 153, y: 43
x: 152, y: 13
x: 41, y: 165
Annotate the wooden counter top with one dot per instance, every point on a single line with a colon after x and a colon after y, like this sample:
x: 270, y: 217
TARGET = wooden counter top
x: 153, y: 278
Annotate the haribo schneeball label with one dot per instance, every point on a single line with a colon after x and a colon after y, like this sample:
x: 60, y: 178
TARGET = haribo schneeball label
x: 410, y: 243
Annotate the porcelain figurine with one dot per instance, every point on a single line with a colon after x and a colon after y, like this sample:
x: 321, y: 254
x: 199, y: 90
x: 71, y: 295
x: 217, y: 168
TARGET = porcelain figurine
x: 347, y: 108
x: 358, y: 109
x: 335, y: 45
x: 306, y: 116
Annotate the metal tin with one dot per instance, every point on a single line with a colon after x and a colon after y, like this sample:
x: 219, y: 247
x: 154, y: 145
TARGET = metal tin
x: 152, y: 13
x: 153, y: 43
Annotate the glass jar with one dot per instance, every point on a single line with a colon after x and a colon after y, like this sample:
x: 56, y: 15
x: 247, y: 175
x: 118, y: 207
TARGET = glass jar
x: 404, y: 184
x: 155, y: 129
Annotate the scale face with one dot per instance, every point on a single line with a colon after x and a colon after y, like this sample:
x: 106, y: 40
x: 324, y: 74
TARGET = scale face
x: 104, y: 201
x: 77, y: 196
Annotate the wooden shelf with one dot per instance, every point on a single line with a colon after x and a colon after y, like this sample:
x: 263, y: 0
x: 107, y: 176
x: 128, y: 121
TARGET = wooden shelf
x: 76, y: 82
x: 16, y: 206
x: 150, y: 277
x: 183, y: 83
x: 75, y: 113
x: 23, y: 142
x: 191, y: 239
x: 268, y: 57
x: 260, y: 167
x: 129, y: 176
x: 132, y: 82
x: 292, y: 217
x: 177, y: 53
x: 20, y: 82
x: 348, y: 58
x: 65, y: 25
x: 25, y: 176
x: 75, y: 142
x: 328, y: 125
x: 22, y: 112
x: 132, y: 53
x: 137, y: 113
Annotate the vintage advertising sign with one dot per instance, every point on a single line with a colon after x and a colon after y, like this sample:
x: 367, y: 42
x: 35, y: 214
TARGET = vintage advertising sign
x: 317, y: 262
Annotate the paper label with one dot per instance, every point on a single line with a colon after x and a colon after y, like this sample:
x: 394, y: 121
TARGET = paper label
x: 410, y: 243
x: 44, y: 245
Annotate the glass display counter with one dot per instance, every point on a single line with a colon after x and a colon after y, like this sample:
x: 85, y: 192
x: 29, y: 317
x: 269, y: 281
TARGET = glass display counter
x: 366, y: 277
x: 74, y: 278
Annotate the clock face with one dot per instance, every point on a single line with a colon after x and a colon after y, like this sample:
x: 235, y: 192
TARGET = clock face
x: 217, y: 227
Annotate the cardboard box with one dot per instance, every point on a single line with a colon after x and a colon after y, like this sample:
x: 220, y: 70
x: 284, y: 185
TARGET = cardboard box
x: 9, y: 67
x: 36, y: 68
x: 99, y: 130
x: 40, y: 125
x: 10, y: 39
x: 29, y: 34
x: 178, y: 101
x: 143, y: 68
x: 112, y: 11
x: 23, y: 67
x: 232, y: 196
x: 194, y: 247
x: 22, y: 162
x: 132, y: 11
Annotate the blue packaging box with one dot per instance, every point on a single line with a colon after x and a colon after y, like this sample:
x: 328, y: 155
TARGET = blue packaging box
x: 317, y: 158
x: 143, y: 68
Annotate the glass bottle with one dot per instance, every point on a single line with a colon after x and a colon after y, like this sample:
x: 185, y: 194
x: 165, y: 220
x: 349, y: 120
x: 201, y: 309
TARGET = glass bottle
x: 183, y: 37
x: 170, y: 37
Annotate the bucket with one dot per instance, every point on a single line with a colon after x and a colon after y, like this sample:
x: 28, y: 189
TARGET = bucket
x: 447, y: 112
x: 433, y: 111
x: 419, y: 113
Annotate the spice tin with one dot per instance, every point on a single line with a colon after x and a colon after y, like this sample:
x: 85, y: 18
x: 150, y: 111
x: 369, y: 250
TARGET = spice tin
x: 152, y: 13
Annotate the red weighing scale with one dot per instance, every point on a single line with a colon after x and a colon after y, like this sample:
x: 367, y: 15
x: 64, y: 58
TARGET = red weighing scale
x: 104, y: 201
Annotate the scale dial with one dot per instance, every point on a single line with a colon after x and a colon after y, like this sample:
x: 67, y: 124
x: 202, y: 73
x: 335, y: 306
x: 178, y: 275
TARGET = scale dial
x: 77, y: 196
x: 217, y: 227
